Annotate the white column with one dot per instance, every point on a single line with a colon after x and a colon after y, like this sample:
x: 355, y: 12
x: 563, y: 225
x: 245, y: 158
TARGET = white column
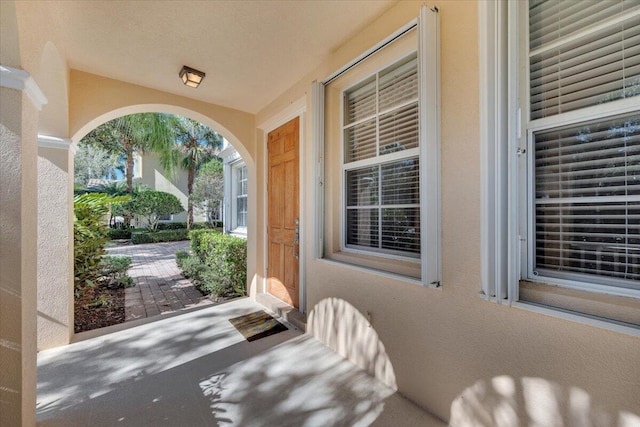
x: 55, y: 241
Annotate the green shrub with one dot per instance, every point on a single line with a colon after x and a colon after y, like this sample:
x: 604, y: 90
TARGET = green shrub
x: 151, y: 205
x: 180, y: 257
x: 196, y: 237
x: 226, y: 260
x: 119, y: 233
x: 138, y: 237
x: 89, y: 236
x: 206, y: 225
x: 171, y: 225
x: 179, y: 225
x: 114, y: 269
x: 193, y: 268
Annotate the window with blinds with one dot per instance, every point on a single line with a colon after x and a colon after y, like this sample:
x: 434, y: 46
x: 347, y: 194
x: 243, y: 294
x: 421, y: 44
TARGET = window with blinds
x: 381, y: 161
x: 584, y: 58
x: 241, y: 196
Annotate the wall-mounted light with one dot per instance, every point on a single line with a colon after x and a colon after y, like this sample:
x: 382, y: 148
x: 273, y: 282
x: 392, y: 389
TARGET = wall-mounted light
x: 191, y: 77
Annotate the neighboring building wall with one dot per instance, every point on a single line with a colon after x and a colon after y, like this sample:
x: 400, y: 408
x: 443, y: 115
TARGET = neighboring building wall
x: 153, y: 176
x: 450, y: 351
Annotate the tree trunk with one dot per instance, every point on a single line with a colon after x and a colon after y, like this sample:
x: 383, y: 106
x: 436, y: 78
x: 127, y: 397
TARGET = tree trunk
x: 190, y: 178
x: 129, y: 167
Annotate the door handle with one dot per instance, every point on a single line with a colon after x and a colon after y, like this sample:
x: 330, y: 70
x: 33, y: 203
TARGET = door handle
x: 296, y: 239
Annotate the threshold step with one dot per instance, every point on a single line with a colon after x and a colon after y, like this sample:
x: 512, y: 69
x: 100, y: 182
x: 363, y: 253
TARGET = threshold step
x: 282, y: 309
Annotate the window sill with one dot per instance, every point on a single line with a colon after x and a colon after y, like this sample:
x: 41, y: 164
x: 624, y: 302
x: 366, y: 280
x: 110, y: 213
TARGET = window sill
x: 375, y: 272
x: 585, y: 319
x: 623, y: 309
x: 238, y: 232
x: 395, y: 265
x: 555, y: 302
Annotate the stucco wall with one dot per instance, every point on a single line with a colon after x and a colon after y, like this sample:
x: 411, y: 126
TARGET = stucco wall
x: 55, y: 247
x: 466, y: 360
x: 156, y: 178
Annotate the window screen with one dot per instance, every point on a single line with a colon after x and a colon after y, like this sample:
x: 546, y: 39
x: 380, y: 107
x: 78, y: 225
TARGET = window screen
x: 381, y: 161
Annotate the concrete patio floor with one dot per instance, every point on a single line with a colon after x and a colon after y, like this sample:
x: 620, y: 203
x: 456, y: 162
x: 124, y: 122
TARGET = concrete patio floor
x: 195, y: 369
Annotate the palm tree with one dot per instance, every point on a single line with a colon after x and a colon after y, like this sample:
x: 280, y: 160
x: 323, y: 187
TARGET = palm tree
x: 195, y: 144
x: 134, y: 133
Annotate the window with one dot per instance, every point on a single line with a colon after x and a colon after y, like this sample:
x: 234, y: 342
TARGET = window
x: 561, y: 138
x: 240, y: 197
x: 584, y: 150
x: 381, y: 161
x: 379, y: 176
x: 236, y: 192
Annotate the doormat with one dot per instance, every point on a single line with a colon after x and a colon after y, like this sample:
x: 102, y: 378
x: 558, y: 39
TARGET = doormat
x: 257, y: 325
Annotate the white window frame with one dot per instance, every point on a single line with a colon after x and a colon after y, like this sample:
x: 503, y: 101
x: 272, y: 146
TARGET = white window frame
x: 377, y: 160
x: 235, y: 168
x: 429, y: 147
x: 507, y: 169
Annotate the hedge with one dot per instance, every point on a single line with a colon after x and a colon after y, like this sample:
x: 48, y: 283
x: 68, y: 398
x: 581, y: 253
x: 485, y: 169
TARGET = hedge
x: 179, y: 225
x: 119, y: 233
x: 138, y: 237
x: 225, y: 257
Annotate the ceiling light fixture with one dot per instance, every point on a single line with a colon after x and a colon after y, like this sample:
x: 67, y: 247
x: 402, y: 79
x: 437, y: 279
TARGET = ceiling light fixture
x: 191, y: 77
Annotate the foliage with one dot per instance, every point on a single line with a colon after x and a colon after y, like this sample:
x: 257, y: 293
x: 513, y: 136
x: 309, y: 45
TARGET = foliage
x: 119, y: 233
x: 193, y: 269
x: 151, y: 205
x: 134, y: 133
x: 89, y: 236
x: 181, y: 256
x: 95, y: 162
x: 179, y: 225
x: 138, y: 237
x: 225, y: 259
x: 208, y: 187
x: 195, y: 144
x: 114, y: 269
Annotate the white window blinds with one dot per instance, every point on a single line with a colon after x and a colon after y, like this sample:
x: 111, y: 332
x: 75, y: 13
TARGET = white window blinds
x: 382, y: 179
x: 586, y: 171
x: 582, y: 53
x: 588, y: 199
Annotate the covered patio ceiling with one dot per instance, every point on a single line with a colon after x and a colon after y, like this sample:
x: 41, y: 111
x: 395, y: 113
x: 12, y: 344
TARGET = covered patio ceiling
x: 252, y: 50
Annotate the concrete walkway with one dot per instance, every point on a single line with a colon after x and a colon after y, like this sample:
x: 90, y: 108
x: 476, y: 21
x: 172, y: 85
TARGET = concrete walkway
x: 195, y: 369
x: 160, y: 287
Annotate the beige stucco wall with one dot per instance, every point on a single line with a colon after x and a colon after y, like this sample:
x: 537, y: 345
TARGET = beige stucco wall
x: 18, y: 260
x: 466, y: 360
x: 18, y: 231
x: 55, y: 247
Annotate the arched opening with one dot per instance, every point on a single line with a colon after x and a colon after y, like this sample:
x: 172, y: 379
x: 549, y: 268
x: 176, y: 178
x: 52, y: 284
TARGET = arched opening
x: 154, y: 177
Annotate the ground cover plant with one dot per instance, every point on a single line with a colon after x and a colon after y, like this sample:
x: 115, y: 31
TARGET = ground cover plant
x: 99, y: 280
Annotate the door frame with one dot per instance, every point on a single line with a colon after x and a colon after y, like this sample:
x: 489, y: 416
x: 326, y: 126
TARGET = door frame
x: 298, y: 109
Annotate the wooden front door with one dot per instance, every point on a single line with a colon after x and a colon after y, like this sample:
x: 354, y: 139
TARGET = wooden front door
x: 283, y: 217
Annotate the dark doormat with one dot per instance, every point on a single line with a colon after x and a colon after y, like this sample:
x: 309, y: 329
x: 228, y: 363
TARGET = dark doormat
x: 257, y: 325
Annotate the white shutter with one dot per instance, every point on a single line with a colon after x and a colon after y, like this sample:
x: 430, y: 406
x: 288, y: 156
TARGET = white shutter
x: 587, y: 215
x: 583, y: 53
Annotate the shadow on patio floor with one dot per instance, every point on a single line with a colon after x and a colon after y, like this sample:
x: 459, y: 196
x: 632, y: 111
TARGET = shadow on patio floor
x: 197, y: 370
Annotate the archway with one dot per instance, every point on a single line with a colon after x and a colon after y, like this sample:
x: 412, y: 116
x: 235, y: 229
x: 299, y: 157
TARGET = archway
x: 211, y: 123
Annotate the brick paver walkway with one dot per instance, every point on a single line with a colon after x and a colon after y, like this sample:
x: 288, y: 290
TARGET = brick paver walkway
x: 160, y: 287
